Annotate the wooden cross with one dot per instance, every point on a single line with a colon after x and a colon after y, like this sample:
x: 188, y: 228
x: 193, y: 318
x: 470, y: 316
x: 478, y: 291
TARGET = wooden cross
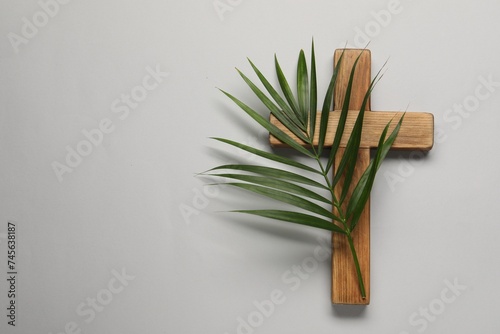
x: 416, y: 133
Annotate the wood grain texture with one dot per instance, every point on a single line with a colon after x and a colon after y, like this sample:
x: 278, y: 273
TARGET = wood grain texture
x: 416, y: 133
x: 345, y: 286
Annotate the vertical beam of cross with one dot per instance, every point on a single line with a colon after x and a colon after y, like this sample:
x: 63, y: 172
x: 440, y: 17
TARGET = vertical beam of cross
x: 345, y: 287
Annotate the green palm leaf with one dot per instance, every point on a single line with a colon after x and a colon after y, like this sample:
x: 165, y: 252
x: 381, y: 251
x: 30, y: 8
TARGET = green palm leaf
x: 287, y: 91
x: 343, y: 116
x: 280, y: 115
x: 303, y: 87
x: 296, y: 218
x: 362, y: 190
x: 287, y: 110
x: 272, y: 172
x: 313, y: 95
x: 351, y: 151
x: 270, y: 156
x: 348, y: 161
x: 275, y: 131
x: 327, y: 103
x: 276, y: 184
x: 285, y: 197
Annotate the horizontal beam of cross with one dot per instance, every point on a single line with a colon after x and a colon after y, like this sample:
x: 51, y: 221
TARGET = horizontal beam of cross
x: 416, y: 132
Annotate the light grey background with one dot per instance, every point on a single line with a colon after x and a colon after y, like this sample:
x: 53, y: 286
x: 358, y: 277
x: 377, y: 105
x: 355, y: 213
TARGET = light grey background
x: 134, y: 208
